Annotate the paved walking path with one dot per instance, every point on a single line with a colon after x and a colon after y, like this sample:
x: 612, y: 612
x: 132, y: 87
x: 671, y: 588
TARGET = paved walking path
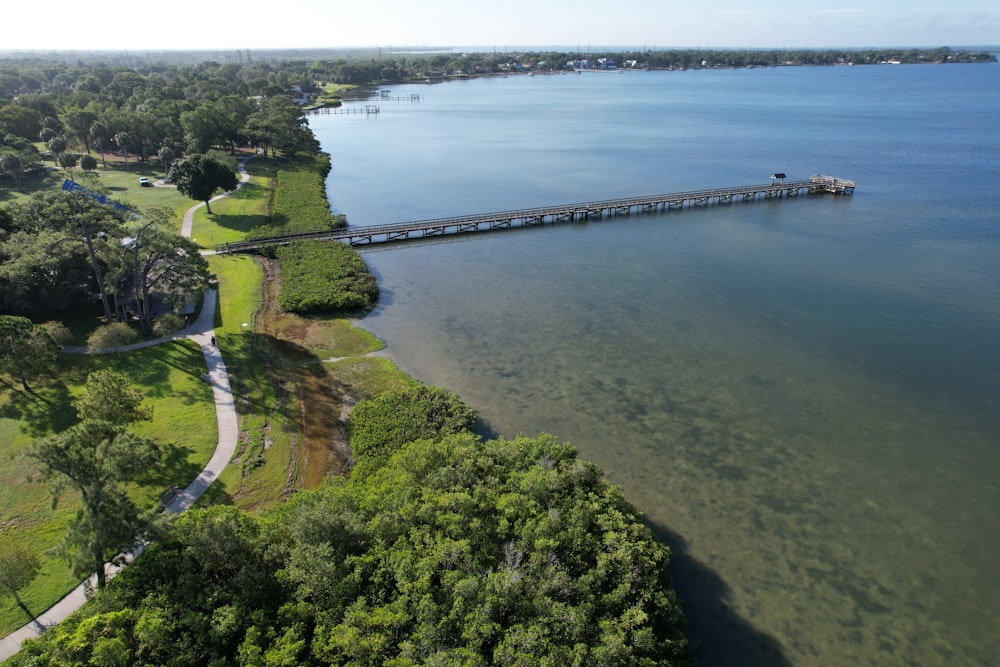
x: 189, y: 214
x: 202, y: 332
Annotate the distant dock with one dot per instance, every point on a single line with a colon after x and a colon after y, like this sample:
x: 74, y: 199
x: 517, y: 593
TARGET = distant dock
x: 360, y: 236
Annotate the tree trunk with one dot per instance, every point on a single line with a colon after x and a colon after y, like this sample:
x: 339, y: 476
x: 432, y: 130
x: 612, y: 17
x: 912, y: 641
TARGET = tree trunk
x: 24, y: 383
x: 208, y: 208
x: 100, y: 277
x: 102, y: 577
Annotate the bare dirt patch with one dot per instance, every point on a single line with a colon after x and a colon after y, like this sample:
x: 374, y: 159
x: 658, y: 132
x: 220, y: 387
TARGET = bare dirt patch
x: 323, y: 448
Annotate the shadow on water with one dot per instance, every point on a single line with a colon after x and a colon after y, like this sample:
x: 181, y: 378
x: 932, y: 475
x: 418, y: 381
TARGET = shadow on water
x: 719, y: 636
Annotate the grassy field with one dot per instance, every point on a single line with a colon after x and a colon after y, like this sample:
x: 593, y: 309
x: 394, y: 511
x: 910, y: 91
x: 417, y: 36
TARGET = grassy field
x: 119, y: 180
x: 235, y: 215
x: 183, y: 422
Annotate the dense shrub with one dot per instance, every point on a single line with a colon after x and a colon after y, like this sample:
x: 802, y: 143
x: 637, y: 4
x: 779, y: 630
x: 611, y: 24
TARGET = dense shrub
x: 323, y: 277
x: 380, y: 426
x: 300, y: 203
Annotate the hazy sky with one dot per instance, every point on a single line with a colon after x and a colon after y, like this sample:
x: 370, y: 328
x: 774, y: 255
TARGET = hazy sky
x: 215, y: 24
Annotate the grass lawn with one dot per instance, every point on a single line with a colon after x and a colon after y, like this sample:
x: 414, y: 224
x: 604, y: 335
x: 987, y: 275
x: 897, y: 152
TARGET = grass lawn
x: 183, y: 423
x: 235, y: 215
x: 121, y: 183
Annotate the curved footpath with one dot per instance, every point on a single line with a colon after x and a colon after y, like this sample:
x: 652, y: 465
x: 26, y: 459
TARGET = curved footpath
x: 202, y: 332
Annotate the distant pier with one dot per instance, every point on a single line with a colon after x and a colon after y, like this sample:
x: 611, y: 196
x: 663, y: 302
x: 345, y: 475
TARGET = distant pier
x: 360, y: 236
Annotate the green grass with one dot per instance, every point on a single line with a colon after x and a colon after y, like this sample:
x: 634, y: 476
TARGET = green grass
x: 240, y: 279
x: 234, y: 216
x: 183, y: 422
x: 268, y: 410
x: 300, y: 203
x: 122, y: 185
x: 367, y: 377
x: 116, y: 181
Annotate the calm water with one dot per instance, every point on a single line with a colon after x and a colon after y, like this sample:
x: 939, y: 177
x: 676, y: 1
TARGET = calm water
x: 803, y: 396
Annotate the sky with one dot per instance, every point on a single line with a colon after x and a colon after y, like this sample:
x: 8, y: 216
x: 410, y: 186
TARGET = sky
x: 504, y: 24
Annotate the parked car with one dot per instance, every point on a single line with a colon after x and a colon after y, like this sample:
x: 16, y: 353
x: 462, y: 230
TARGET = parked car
x: 144, y: 182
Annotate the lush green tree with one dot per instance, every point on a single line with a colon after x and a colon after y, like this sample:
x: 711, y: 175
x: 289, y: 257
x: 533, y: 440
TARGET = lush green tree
x: 88, y: 162
x: 505, y: 552
x: 74, y: 218
x: 167, y: 156
x: 279, y: 125
x: 18, y: 566
x: 204, y: 127
x: 39, y: 272
x: 199, y: 177
x: 57, y: 145
x: 453, y: 552
x: 111, y: 397
x: 11, y: 163
x: 26, y: 349
x: 68, y: 160
x: 79, y: 122
x: 382, y: 425
x: 97, y: 457
x: 122, y: 140
x: 21, y: 121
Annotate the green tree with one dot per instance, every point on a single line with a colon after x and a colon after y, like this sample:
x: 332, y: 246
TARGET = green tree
x: 21, y: 121
x: 279, y: 125
x: 88, y: 162
x: 110, y: 396
x: 26, y: 349
x: 12, y: 164
x: 97, y: 457
x: 162, y: 261
x: 68, y: 160
x: 167, y: 156
x: 80, y: 219
x: 18, y: 566
x: 382, y: 425
x: 57, y: 145
x: 79, y: 122
x: 122, y: 140
x: 199, y: 177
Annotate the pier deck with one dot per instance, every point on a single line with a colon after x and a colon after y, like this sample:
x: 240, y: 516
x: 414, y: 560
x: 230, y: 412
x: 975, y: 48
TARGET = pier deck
x: 359, y: 236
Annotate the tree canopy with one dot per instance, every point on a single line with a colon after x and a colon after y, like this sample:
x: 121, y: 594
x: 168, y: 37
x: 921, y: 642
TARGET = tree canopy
x: 199, y: 177
x: 457, y: 551
x: 26, y: 349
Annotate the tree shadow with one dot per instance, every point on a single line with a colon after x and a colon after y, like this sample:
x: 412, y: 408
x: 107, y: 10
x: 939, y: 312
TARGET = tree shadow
x: 719, y: 636
x: 175, y: 467
x: 50, y: 412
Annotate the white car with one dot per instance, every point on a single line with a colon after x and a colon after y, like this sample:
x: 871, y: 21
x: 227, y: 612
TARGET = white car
x: 144, y: 182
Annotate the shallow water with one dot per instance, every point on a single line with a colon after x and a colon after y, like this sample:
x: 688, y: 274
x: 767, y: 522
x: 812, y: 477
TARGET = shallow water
x: 801, y: 395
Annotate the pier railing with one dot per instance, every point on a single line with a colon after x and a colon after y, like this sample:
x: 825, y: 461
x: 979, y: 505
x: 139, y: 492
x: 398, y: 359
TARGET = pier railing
x: 552, y: 214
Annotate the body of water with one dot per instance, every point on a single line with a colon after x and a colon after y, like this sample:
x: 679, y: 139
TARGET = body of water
x: 802, y: 396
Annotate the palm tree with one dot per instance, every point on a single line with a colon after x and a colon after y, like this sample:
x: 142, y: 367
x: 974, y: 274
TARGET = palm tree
x: 123, y: 139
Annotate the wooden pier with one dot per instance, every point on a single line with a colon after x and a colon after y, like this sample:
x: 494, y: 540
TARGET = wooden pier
x: 360, y: 236
x: 367, y: 110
